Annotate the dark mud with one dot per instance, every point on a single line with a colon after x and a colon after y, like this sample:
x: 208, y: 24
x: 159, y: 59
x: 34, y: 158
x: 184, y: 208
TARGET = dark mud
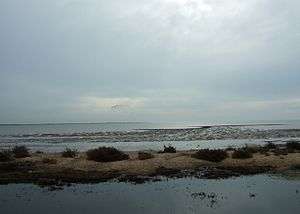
x: 25, y: 173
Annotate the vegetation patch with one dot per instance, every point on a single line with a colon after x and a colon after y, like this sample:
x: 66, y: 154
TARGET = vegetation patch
x: 293, y: 145
x: 270, y: 146
x: 216, y: 155
x: 49, y: 161
x: 243, y: 153
x: 229, y: 148
x: 39, y: 152
x: 21, y: 152
x: 69, y: 153
x: 6, y: 155
x: 253, y: 148
x: 106, y: 154
x: 168, y: 149
x: 278, y: 152
x: 144, y: 155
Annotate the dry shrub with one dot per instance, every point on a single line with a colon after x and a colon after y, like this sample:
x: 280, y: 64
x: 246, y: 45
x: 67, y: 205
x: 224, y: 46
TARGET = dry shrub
x: 69, y: 153
x: 216, y: 155
x: 168, y: 149
x: 144, y: 155
x: 106, y: 154
x: 6, y: 155
x: 21, y: 152
x: 293, y: 145
x: 270, y: 146
x: 278, y: 152
x: 243, y: 153
x: 49, y: 161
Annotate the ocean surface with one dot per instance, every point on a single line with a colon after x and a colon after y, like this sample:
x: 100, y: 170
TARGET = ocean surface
x: 56, y: 137
x: 247, y: 194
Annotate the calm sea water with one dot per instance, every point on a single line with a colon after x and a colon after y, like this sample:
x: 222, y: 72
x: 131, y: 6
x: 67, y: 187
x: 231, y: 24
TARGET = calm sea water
x: 251, y: 194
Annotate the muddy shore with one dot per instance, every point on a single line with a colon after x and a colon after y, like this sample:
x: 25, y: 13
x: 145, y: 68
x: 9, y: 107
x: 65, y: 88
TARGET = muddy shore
x: 59, y: 171
x: 152, y: 135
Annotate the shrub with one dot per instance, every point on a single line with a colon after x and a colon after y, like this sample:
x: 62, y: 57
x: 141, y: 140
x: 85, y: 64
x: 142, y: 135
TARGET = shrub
x: 211, y: 155
x: 144, y: 156
x: 168, y: 149
x: 252, y: 148
x: 263, y: 150
x: 278, y: 152
x: 106, y: 154
x: 229, y: 148
x: 270, y: 146
x: 69, y: 153
x: 21, y: 152
x: 243, y: 153
x: 293, y: 145
x: 6, y: 155
x: 39, y: 152
x: 49, y: 160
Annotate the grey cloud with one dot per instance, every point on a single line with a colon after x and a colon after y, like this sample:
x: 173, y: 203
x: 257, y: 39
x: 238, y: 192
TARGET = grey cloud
x: 182, y: 58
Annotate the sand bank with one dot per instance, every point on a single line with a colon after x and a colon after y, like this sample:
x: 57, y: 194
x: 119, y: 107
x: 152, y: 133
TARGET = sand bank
x: 57, y: 169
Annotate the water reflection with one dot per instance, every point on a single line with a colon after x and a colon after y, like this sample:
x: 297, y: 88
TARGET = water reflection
x: 260, y: 193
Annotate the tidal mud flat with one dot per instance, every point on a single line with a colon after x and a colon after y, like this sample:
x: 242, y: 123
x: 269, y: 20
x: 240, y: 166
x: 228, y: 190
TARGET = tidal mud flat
x: 57, y: 169
x: 151, y: 135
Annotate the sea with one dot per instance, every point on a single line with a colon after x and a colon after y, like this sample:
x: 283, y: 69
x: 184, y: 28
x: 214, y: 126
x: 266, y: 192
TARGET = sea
x: 55, y: 137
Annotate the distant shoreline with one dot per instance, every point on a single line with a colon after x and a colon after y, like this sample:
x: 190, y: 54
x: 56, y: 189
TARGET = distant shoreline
x: 220, y: 125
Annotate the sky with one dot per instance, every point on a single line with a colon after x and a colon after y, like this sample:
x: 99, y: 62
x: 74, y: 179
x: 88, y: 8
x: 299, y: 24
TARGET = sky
x: 149, y: 60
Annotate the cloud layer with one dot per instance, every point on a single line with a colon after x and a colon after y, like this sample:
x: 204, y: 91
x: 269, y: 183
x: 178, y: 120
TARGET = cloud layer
x: 154, y: 60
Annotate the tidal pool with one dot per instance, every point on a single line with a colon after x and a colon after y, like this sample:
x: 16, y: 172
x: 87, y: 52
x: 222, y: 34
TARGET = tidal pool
x: 247, y: 194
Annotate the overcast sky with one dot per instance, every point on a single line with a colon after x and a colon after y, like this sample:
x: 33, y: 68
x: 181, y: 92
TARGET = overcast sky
x: 149, y: 60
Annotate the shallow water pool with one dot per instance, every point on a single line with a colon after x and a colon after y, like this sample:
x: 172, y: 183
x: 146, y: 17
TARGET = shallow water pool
x: 248, y: 194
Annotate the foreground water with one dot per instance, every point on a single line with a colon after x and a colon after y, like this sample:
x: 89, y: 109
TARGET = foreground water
x: 249, y: 194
